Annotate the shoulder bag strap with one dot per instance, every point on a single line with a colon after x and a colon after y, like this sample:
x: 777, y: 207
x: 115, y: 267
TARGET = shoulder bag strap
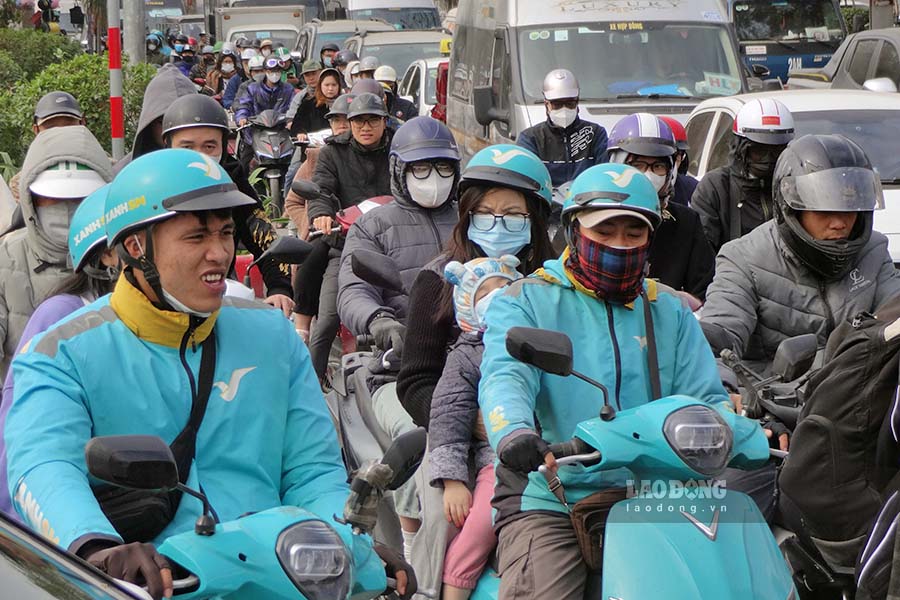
x: 184, y: 445
x: 652, y: 359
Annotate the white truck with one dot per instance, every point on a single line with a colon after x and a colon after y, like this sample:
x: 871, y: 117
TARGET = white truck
x: 281, y: 24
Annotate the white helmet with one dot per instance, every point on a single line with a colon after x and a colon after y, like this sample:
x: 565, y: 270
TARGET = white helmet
x: 765, y: 121
x: 257, y: 62
x: 560, y: 84
x: 247, y: 53
x: 67, y: 179
x: 386, y: 73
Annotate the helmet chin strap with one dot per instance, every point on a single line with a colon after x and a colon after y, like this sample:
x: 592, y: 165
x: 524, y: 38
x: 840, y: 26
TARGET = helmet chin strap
x: 145, y: 263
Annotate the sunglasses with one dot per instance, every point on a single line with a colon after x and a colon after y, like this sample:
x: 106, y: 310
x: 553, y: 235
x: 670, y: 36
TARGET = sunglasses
x: 558, y: 104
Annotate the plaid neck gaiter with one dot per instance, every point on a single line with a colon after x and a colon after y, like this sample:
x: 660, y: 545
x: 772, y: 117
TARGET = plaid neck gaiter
x: 612, y: 274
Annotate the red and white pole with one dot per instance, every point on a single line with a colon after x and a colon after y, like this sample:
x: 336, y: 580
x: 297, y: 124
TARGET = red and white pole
x: 116, y: 107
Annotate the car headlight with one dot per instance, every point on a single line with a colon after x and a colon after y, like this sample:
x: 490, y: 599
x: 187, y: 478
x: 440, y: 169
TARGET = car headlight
x: 314, y: 557
x: 700, y: 437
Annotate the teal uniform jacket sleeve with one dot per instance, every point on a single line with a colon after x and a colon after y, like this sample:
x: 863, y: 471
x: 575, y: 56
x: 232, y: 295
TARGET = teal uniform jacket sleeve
x: 508, y: 388
x: 313, y: 474
x: 49, y: 482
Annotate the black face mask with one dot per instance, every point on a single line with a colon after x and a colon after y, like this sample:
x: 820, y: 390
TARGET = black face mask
x: 188, y: 59
x: 209, y: 61
x: 762, y: 170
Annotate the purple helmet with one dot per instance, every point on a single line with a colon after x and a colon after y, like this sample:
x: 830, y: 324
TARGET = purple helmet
x: 424, y: 138
x: 643, y: 134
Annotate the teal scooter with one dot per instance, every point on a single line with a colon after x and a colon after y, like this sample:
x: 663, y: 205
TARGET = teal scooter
x: 680, y: 535
x: 277, y: 554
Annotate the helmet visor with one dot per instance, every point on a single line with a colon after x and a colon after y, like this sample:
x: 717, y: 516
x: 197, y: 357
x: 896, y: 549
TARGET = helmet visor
x: 850, y: 189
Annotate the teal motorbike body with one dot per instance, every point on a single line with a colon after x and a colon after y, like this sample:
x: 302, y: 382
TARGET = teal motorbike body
x: 240, y: 560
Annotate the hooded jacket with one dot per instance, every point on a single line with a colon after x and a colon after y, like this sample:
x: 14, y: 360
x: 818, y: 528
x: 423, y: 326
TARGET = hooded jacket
x: 609, y: 342
x: 731, y: 202
x: 260, y: 97
x: 406, y: 232
x: 167, y: 85
x: 566, y: 152
x: 31, y: 264
x: 762, y: 294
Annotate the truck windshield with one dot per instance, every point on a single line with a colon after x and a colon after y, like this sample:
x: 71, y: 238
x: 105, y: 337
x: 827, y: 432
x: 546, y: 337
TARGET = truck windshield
x: 279, y: 37
x: 788, y: 20
x: 401, y: 18
x: 324, y: 38
x: 615, y: 60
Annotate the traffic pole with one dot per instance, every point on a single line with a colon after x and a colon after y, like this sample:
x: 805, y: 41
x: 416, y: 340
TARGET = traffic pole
x: 116, y: 108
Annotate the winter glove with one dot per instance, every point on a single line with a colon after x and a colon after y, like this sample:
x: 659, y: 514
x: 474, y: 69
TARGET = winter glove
x: 394, y: 565
x: 136, y: 563
x: 524, y: 452
x: 388, y: 333
x: 777, y: 432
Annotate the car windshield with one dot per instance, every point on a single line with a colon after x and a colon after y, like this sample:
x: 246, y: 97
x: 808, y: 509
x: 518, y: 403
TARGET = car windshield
x: 324, y: 38
x: 612, y: 60
x: 874, y: 130
x: 279, y: 37
x: 787, y: 20
x: 401, y: 18
x: 400, y: 56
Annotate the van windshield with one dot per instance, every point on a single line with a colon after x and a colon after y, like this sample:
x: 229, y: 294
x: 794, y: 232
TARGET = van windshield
x: 615, y: 60
x: 795, y: 20
x: 400, y: 56
x: 401, y: 18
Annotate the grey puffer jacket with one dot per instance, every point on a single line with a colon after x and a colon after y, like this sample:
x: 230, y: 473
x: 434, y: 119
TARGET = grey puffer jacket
x: 32, y: 264
x: 762, y: 293
x: 454, y: 412
x: 402, y: 230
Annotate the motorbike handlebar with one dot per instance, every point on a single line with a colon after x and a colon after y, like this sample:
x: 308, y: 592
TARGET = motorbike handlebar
x: 317, y: 233
x: 573, y: 447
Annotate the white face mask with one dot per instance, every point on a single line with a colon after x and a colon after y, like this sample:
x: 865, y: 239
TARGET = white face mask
x: 430, y: 192
x: 266, y: 52
x: 273, y: 77
x: 563, y: 117
x: 658, y: 181
x: 227, y: 67
x: 54, y: 219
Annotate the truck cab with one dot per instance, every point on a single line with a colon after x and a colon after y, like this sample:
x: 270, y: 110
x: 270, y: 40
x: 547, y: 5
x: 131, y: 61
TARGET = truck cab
x: 628, y: 55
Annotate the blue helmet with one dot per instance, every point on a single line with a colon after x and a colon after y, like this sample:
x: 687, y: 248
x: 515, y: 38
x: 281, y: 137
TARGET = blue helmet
x: 510, y: 166
x: 643, y: 134
x: 161, y: 184
x: 87, y: 231
x: 424, y: 138
x: 612, y: 186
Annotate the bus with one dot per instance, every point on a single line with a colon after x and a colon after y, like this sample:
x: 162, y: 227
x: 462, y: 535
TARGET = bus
x: 782, y: 35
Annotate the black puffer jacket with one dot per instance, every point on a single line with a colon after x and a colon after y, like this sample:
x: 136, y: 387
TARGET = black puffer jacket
x: 351, y: 173
x: 731, y: 203
x: 566, y: 152
x: 680, y: 256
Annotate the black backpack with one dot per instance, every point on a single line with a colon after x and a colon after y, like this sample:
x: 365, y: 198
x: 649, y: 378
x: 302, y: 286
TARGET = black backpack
x: 843, y: 453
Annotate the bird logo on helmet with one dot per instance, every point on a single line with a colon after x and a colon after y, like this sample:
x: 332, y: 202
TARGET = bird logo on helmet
x: 209, y: 167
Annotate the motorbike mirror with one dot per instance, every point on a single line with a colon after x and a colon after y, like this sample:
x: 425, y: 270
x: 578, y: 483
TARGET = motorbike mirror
x: 141, y: 462
x: 305, y: 188
x: 288, y: 250
x: 404, y: 455
x: 795, y: 356
x: 377, y: 269
x: 549, y: 351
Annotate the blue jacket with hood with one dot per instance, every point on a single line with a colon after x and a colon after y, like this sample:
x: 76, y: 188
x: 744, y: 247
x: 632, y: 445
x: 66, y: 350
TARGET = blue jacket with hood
x: 610, y: 345
x: 114, y: 368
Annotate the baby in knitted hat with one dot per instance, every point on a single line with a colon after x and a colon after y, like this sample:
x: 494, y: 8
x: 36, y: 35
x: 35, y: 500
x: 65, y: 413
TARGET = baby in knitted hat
x: 455, y: 451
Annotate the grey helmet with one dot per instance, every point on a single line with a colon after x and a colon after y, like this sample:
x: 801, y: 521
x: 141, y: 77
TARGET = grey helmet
x: 560, y: 84
x: 825, y: 173
x: 194, y: 110
x: 367, y: 104
x: 368, y: 63
x: 340, y: 107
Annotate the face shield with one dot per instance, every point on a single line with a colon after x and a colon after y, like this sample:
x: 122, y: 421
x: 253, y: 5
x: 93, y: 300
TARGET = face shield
x: 850, y: 189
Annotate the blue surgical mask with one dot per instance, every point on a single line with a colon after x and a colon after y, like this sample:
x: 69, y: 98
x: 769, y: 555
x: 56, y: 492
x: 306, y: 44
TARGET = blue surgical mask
x: 327, y: 61
x: 498, y: 241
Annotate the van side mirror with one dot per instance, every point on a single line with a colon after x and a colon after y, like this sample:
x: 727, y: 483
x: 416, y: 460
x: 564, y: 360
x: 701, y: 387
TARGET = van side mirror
x: 549, y: 351
x: 760, y: 70
x: 140, y: 462
x: 795, y: 356
x: 485, y: 111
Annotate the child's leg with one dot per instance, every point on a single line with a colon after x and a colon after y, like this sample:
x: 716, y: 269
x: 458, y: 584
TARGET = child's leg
x: 468, y: 553
x: 308, y: 281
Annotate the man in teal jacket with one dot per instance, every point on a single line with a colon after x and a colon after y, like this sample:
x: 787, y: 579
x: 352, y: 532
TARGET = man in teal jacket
x: 595, y: 293
x: 129, y: 364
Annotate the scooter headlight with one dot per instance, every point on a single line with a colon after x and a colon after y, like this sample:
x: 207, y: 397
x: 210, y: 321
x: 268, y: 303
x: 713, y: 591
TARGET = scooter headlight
x: 316, y: 560
x: 701, y: 437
